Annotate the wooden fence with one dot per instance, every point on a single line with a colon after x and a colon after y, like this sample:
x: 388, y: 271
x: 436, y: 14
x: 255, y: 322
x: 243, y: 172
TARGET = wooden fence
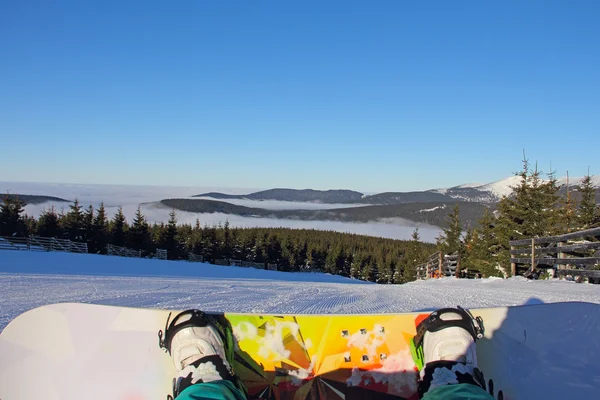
x: 161, y: 254
x: 245, y: 264
x: 113, y: 250
x: 438, y: 265
x: 570, y: 254
x: 195, y: 257
x: 38, y: 243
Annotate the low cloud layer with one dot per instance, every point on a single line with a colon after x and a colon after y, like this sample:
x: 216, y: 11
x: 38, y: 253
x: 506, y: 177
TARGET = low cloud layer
x: 129, y: 197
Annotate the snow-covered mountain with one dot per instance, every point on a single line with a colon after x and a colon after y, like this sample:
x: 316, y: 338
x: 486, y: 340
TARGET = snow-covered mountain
x: 493, y: 192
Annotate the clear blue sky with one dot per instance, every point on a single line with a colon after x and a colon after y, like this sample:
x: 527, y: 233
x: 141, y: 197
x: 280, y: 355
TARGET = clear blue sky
x: 370, y: 95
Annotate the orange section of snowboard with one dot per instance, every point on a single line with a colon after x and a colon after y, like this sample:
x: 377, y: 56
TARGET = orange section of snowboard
x: 292, y: 356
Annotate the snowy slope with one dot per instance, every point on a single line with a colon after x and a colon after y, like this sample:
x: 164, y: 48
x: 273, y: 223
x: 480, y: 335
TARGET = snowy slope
x: 29, y: 280
x: 502, y: 187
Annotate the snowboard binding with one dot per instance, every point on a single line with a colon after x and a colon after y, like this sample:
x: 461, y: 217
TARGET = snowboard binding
x: 435, y: 322
x: 194, y: 339
x: 444, y: 349
x: 165, y: 338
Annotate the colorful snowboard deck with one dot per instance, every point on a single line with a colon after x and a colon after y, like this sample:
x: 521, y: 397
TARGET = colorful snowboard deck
x: 74, y: 351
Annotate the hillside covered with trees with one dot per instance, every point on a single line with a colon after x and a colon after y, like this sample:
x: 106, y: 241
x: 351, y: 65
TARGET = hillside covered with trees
x: 537, y: 207
x: 433, y: 213
x: 362, y: 257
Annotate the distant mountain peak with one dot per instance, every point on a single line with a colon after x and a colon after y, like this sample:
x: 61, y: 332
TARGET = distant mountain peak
x: 285, y: 194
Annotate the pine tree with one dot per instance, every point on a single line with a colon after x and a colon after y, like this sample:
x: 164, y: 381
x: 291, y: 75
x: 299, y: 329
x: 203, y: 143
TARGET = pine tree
x: 551, y: 207
x: 88, y: 222
x: 449, y: 241
x: 48, y: 223
x: 227, y: 242
x: 12, y: 222
x: 406, y: 269
x: 357, y: 264
x: 118, y: 229
x: 332, y: 260
x: 73, y: 224
x: 567, y: 213
x: 138, y: 236
x: 30, y: 224
x: 170, y: 240
x: 303, y: 255
x: 341, y: 263
x: 210, y: 244
x: 588, y: 210
x: 480, y: 247
x: 99, y: 234
x: 531, y: 211
x: 273, y: 250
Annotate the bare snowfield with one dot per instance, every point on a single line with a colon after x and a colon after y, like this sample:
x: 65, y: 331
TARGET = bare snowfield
x: 30, y: 279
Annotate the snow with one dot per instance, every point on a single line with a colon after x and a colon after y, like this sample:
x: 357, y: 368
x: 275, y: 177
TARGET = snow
x: 502, y: 187
x: 577, y: 181
x: 470, y: 185
x: 32, y: 279
x: 433, y: 209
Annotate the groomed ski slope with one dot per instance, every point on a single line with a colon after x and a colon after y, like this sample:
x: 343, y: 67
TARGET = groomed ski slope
x: 30, y: 279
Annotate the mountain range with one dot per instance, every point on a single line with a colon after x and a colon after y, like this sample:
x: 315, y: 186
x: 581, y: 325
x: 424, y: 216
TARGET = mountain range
x: 432, y: 213
x: 479, y: 193
x: 429, y: 206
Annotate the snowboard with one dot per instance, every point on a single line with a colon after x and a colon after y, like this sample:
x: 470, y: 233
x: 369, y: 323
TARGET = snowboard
x: 74, y: 351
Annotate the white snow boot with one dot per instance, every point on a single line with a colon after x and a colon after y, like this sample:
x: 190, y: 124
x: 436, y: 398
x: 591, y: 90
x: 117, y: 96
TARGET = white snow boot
x: 196, y: 343
x: 453, y: 343
x: 444, y: 349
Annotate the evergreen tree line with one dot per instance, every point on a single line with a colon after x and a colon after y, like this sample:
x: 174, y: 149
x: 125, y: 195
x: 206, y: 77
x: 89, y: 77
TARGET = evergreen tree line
x: 536, y: 208
x: 362, y: 257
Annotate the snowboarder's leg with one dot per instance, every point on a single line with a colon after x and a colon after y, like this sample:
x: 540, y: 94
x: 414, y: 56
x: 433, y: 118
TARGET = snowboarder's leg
x: 216, y: 390
x: 202, y: 353
x: 445, y: 352
x: 460, y: 391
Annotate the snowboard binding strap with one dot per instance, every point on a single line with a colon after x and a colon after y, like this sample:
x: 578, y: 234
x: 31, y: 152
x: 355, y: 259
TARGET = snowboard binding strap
x: 196, y: 318
x: 434, y: 323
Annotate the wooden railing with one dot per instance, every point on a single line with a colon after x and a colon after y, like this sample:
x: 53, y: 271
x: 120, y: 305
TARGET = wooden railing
x: 113, y: 250
x: 245, y: 264
x: 38, y: 243
x: 195, y: 257
x: 438, y: 265
x: 569, y: 254
x: 161, y: 254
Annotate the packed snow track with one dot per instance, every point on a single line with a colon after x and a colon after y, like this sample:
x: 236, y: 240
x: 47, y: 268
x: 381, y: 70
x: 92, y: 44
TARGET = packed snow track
x: 29, y: 280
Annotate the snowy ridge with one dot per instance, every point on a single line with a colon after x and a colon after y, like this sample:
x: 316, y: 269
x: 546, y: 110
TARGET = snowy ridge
x: 496, y: 190
x: 502, y: 187
x: 433, y: 209
x: 577, y: 181
x: 29, y: 280
x: 470, y: 185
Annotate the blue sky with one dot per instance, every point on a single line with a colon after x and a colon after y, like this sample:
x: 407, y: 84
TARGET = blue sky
x: 371, y: 95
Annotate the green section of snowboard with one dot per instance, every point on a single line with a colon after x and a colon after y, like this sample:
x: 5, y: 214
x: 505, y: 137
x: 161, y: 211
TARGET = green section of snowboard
x: 64, y: 351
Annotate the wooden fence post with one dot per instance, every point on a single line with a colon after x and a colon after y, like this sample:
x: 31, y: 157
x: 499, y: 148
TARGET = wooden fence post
x: 513, y: 266
x: 532, y: 255
x: 440, y: 265
x: 561, y: 255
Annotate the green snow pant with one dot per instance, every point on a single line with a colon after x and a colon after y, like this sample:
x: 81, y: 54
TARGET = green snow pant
x: 216, y: 390
x: 225, y: 390
x: 461, y: 391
